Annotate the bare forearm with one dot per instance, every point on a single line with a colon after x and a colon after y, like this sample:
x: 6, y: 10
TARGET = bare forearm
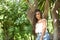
x: 43, y: 32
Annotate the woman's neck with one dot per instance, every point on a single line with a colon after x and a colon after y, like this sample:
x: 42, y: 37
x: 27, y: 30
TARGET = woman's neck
x: 39, y: 19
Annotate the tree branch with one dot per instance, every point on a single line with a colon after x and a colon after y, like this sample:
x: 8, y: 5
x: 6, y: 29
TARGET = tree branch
x: 46, y: 8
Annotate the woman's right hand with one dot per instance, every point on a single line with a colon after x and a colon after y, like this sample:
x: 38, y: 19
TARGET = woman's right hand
x: 41, y: 38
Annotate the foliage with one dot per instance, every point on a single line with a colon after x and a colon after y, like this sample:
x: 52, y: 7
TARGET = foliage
x: 14, y: 24
x: 14, y: 20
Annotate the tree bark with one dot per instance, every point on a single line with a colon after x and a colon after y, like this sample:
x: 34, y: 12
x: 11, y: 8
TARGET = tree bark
x: 55, y: 19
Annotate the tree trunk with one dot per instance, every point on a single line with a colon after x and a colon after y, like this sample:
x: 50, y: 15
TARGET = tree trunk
x: 55, y: 19
x: 31, y: 9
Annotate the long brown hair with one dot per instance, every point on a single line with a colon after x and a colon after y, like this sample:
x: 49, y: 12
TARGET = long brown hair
x: 35, y: 20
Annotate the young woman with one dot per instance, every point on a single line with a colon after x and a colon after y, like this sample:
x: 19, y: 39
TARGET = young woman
x: 40, y: 26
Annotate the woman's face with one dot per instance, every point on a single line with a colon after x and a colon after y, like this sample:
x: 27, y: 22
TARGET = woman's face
x: 38, y: 15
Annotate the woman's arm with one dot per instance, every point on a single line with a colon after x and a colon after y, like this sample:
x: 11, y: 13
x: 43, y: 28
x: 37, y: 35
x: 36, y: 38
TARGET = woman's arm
x: 44, y: 28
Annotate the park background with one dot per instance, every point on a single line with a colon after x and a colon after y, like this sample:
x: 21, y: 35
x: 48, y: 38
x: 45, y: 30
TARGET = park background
x: 16, y: 18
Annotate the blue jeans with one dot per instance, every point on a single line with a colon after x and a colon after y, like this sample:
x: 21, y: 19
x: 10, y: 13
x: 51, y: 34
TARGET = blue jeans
x: 46, y: 36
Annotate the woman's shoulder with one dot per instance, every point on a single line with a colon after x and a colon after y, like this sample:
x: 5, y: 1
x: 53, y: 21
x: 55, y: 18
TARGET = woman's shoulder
x: 44, y: 20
